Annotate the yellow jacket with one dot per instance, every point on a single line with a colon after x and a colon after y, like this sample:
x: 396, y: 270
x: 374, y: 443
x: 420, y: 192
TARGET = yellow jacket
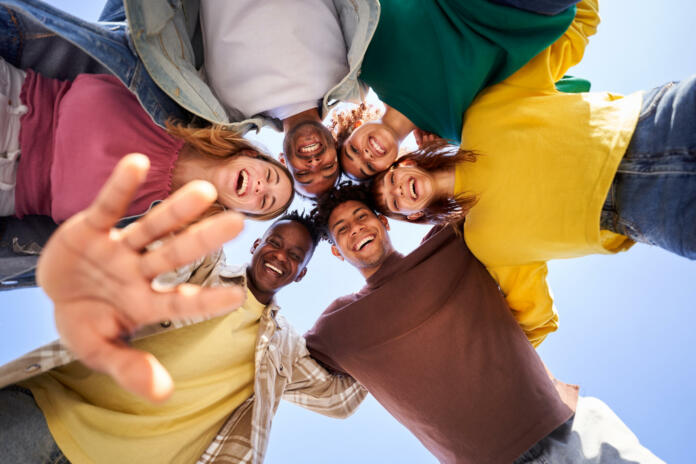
x: 546, y: 162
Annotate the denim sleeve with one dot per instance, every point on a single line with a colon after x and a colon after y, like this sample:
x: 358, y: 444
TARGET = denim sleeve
x: 545, y: 7
x: 113, y: 11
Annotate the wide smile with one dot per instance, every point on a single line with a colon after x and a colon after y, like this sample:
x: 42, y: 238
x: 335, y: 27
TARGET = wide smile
x: 242, y: 184
x: 412, y: 188
x: 310, y: 146
x: 376, y: 147
x: 365, y: 241
x: 274, y: 269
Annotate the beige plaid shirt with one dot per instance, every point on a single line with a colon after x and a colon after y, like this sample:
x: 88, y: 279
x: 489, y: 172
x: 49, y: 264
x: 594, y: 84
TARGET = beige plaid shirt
x: 284, y: 369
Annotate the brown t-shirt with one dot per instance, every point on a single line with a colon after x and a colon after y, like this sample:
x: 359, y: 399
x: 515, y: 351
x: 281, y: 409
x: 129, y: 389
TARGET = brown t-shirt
x: 431, y: 337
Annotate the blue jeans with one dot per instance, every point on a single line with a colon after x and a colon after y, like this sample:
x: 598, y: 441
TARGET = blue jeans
x: 25, y: 438
x: 653, y: 196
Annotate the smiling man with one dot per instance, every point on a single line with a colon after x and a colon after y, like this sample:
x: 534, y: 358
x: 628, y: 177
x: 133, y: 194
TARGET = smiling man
x: 309, y: 152
x: 431, y: 337
x: 227, y: 389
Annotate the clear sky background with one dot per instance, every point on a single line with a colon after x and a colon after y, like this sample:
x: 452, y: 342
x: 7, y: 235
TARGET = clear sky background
x: 627, y: 321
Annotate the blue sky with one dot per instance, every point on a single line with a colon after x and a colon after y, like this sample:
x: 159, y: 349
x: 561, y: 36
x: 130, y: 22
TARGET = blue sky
x: 626, y: 320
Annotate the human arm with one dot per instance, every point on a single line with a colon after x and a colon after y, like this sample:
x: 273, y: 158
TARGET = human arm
x: 549, y: 66
x: 422, y: 137
x: 315, y: 388
x: 529, y: 298
x: 99, y: 278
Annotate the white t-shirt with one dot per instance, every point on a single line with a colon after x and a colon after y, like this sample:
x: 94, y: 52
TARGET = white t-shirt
x: 277, y: 57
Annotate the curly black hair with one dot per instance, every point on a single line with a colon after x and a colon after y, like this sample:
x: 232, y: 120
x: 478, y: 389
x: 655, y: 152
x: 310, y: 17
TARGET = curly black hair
x: 307, y: 220
x: 345, y: 191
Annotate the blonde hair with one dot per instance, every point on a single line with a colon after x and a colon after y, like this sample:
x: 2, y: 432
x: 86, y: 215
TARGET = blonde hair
x: 219, y: 142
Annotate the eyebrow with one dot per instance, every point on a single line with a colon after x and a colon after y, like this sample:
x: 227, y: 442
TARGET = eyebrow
x: 337, y: 224
x: 273, y: 201
x: 277, y: 176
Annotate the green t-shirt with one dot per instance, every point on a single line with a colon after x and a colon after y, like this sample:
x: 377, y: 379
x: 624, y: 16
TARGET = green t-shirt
x: 429, y: 59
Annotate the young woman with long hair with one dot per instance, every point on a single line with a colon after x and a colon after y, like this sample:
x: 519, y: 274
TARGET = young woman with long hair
x: 71, y: 134
x: 559, y: 175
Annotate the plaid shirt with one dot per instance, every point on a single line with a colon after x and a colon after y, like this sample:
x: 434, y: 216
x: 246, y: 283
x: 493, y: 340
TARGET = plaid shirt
x: 284, y: 369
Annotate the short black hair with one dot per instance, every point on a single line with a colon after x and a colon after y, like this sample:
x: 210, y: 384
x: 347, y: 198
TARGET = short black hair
x: 345, y: 191
x: 306, y: 219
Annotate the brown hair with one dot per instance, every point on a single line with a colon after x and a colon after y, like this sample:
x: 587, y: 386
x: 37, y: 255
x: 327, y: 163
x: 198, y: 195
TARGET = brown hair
x: 219, y: 142
x: 342, y: 123
x: 434, y: 156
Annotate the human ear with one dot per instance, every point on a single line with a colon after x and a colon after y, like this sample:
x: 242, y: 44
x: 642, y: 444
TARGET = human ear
x: 415, y: 216
x: 255, y: 245
x: 384, y: 220
x: 301, y: 275
x: 281, y: 157
x: 336, y: 252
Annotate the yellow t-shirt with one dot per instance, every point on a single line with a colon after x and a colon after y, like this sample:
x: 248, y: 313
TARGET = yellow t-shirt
x: 546, y: 162
x: 212, y: 364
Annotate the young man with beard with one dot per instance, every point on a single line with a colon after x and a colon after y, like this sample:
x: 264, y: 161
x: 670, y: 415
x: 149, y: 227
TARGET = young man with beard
x: 432, y: 338
x: 229, y: 372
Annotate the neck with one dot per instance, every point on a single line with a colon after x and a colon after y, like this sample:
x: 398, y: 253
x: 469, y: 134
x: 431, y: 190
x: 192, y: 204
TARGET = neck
x: 311, y: 114
x: 400, y: 124
x: 192, y: 165
x: 368, y: 272
x: 262, y: 296
x: 444, y: 182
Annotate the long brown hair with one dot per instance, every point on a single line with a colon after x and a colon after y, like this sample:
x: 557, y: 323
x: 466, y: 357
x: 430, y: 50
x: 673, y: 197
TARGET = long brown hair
x: 219, y: 142
x: 433, y: 156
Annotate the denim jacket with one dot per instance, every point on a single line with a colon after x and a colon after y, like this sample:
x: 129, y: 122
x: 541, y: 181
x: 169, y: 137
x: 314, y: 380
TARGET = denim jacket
x: 157, y: 53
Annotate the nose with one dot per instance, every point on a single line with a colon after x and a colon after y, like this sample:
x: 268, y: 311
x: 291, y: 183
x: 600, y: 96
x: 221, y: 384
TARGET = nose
x: 260, y: 186
x: 280, y: 255
x: 397, y: 190
x: 313, y: 163
x: 356, y: 228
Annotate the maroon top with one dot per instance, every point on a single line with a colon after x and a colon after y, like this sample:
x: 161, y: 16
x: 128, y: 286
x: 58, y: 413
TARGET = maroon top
x: 431, y: 337
x: 73, y: 136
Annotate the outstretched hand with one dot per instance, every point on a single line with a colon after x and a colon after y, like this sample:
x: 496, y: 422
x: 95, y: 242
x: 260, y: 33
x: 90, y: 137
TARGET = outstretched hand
x: 99, y: 278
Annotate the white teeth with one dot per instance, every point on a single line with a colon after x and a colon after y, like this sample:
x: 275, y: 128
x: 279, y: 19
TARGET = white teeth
x: 364, y: 242
x: 245, y: 182
x: 412, y: 185
x: 308, y: 148
x: 375, y: 146
x: 273, y: 268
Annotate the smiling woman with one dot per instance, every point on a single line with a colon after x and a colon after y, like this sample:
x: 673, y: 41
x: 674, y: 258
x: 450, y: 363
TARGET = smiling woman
x: 69, y: 146
x: 246, y: 180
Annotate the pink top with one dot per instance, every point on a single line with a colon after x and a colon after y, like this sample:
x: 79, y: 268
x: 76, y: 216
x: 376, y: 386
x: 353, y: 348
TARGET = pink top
x: 72, y: 137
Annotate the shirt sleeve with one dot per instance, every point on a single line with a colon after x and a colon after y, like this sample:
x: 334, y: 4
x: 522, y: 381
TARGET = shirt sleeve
x: 529, y: 297
x: 552, y: 63
x: 313, y: 387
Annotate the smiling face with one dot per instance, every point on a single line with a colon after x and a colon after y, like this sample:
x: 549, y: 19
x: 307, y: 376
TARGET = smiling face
x: 407, y: 190
x: 251, y: 185
x: 310, y: 154
x: 370, y: 149
x: 280, y: 257
x: 360, y: 236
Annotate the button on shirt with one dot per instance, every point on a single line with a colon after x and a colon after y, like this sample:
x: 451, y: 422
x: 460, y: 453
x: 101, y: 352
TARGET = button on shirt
x: 274, y: 57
